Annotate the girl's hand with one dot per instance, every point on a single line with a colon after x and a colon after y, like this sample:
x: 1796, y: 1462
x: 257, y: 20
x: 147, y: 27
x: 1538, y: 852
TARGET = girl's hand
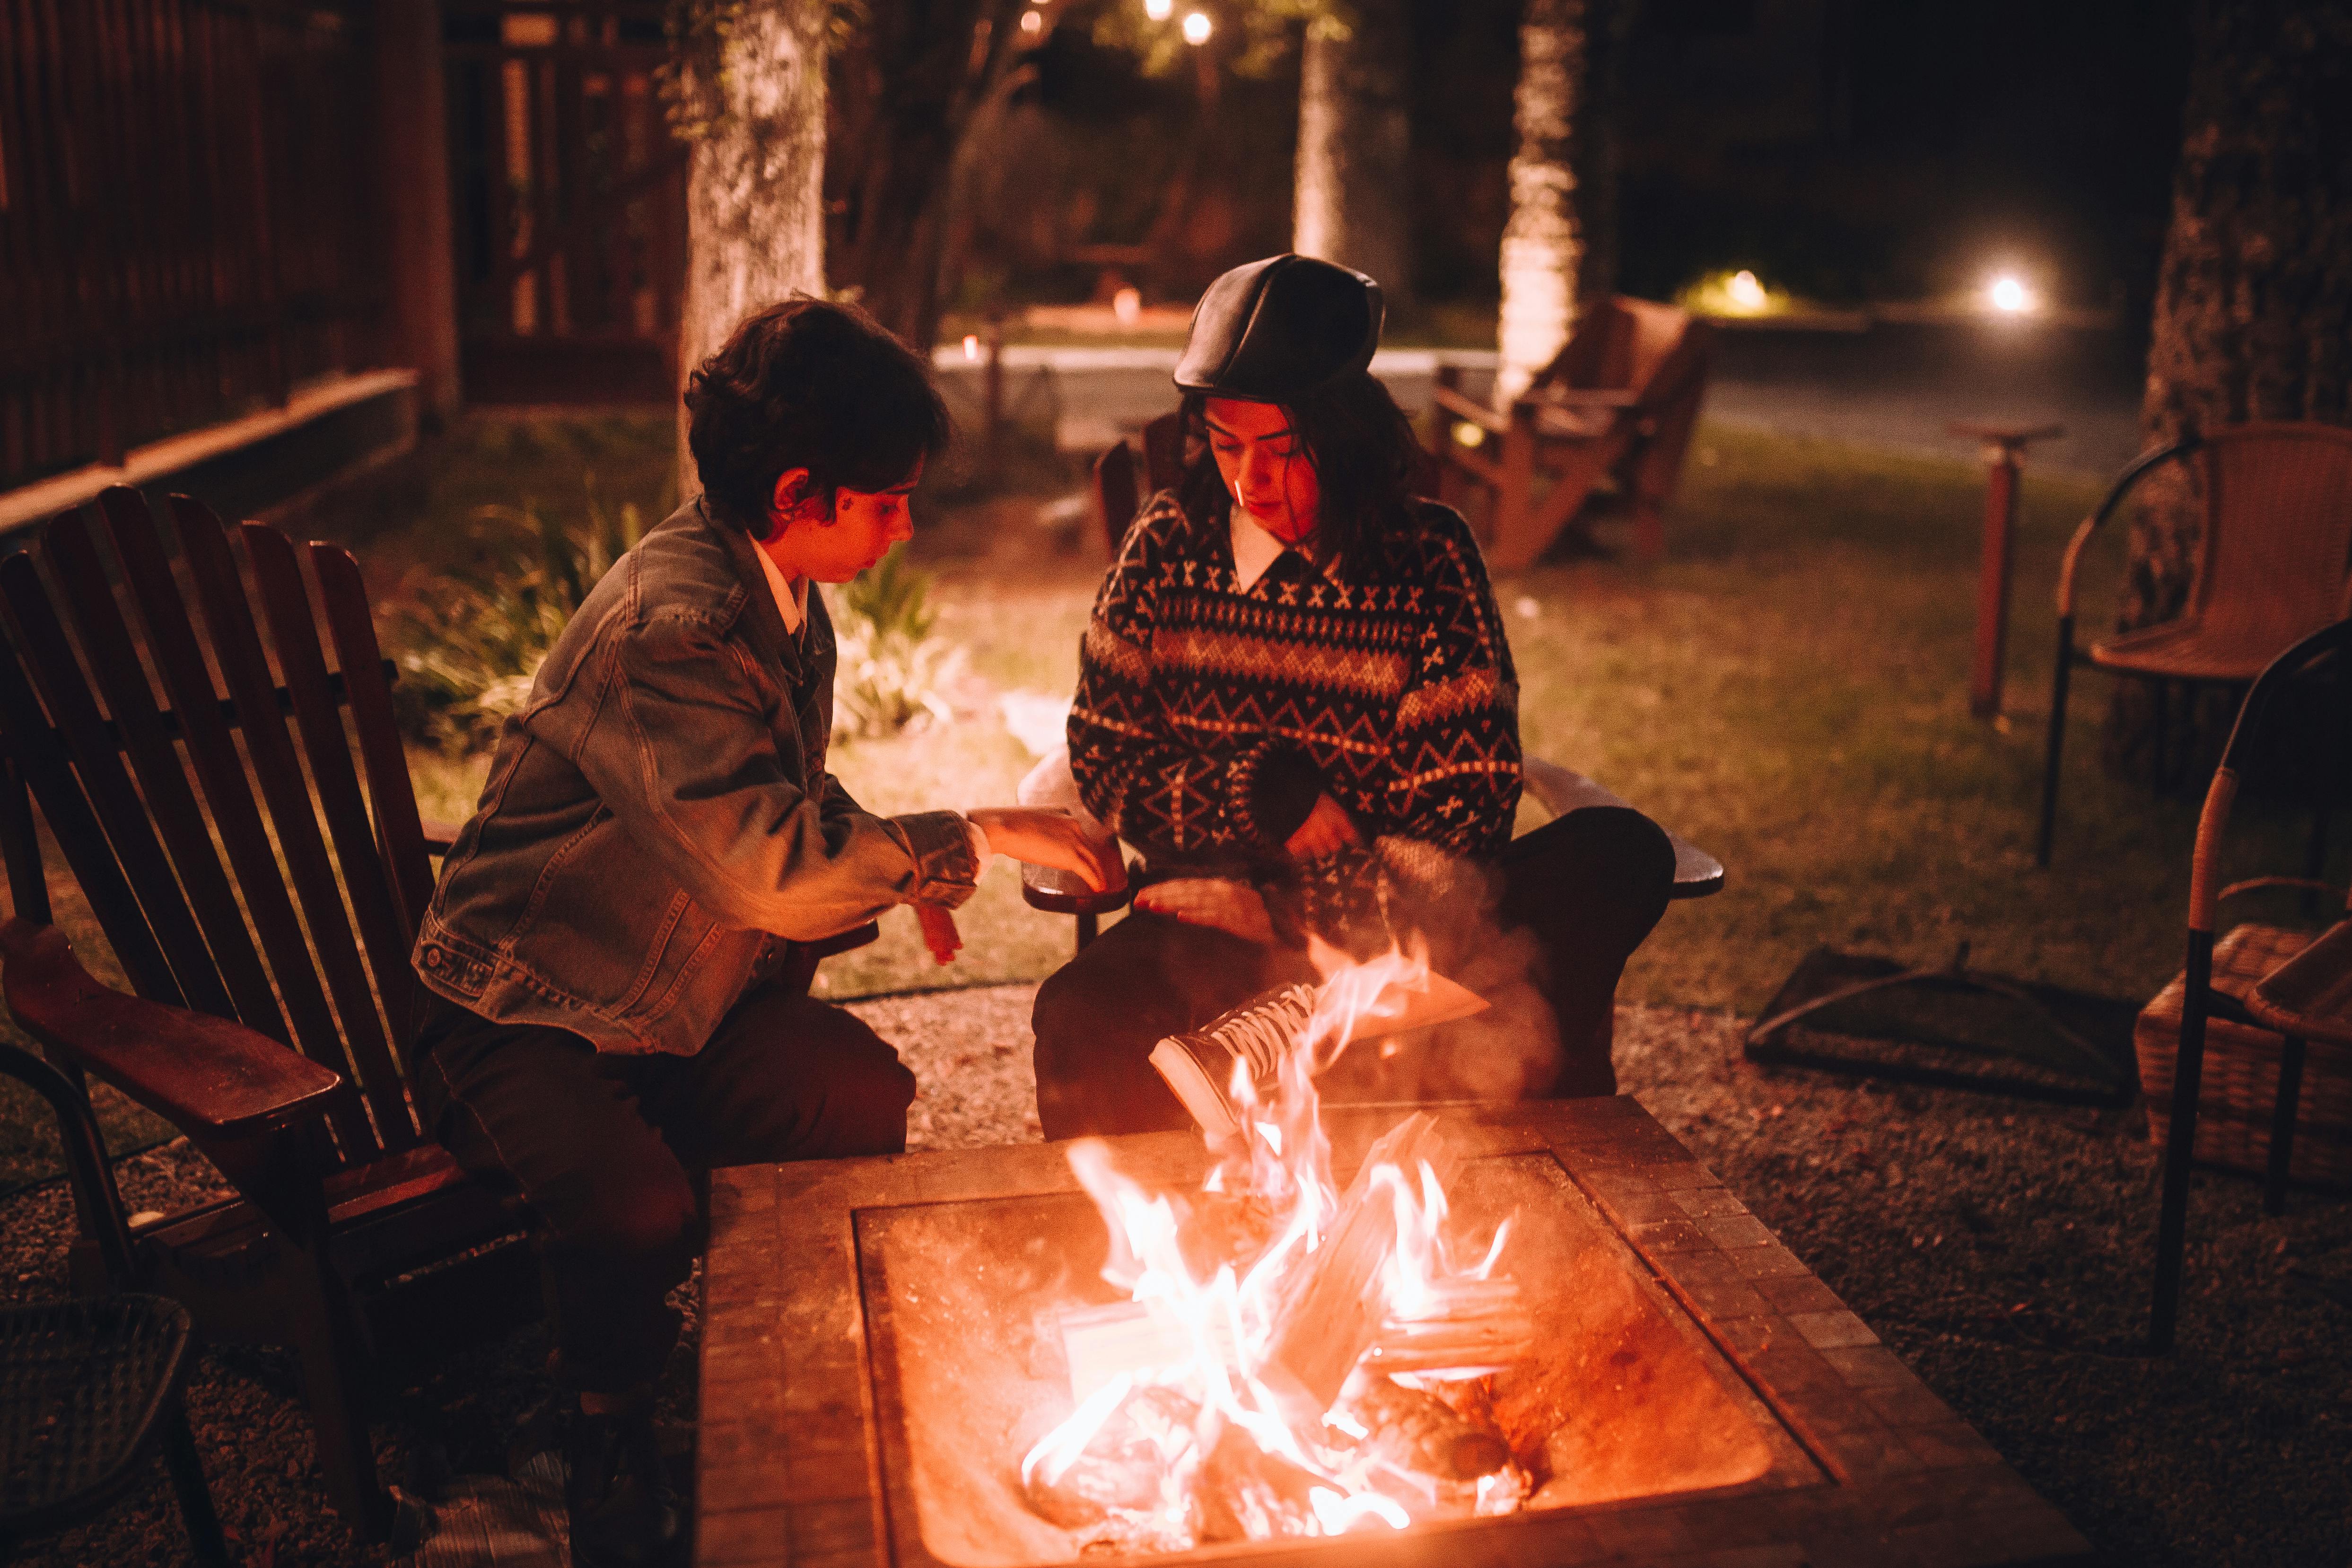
x: 939, y: 934
x: 1328, y: 828
x: 1234, y: 908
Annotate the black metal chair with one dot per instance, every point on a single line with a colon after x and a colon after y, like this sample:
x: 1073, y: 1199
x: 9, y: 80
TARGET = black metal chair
x: 2308, y: 996
x: 91, y: 1387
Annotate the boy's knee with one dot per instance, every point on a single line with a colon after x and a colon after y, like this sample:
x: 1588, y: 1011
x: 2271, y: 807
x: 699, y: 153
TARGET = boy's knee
x: 641, y: 1221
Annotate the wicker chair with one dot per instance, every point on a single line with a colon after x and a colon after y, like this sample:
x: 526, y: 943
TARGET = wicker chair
x: 2299, y: 993
x: 91, y: 1387
x: 2277, y: 541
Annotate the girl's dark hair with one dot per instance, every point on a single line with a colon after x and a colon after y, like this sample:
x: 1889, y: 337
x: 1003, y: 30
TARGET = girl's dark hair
x: 808, y: 384
x: 1364, y: 453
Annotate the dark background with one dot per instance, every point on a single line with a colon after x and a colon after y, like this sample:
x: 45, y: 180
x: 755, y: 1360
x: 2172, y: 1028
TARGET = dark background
x: 1847, y: 150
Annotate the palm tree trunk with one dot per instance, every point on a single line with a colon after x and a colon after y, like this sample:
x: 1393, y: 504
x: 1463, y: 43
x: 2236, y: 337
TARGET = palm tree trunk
x: 2254, y: 303
x: 755, y: 218
x: 1560, y: 246
x: 1355, y: 152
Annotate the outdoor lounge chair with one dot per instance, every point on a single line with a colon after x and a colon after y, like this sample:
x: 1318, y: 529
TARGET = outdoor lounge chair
x: 1617, y: 405
x: 2270, y: 568
x: 272, y: 1006
x: 2272, y: 996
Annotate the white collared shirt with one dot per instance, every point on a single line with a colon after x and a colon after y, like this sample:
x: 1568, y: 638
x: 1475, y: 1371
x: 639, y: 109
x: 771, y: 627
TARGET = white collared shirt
x: 1254, y: 550
x: 792, y: 597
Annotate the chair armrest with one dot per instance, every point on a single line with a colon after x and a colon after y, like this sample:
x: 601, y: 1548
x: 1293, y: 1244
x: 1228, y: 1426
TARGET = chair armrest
x: 1586, y: 396
x: 847, y: 942
x: 1056, y: 891
x: 1478, y: 414
x: 206, y: 1076
x: 1563, y: 790
x: 439, y: 836
x: 2141, y: 466
x: 1051, y: 786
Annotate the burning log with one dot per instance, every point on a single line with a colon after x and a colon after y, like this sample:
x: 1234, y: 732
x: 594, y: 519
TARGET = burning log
x: 1245, y: 1493
x: 1117, y: 1477
x: 1328, y: 1317
x: 1467, y: 1328
x: 1420, y: 1435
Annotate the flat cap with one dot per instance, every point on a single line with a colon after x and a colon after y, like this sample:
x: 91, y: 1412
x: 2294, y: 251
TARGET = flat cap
x: 1279, y: 330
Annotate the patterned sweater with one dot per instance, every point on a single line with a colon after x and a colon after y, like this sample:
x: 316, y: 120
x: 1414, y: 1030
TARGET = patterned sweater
x: 1207, y: 717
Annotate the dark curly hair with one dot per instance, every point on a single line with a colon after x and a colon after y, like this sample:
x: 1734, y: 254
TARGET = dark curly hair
x: 810, y: 384
x: 1365, y: 457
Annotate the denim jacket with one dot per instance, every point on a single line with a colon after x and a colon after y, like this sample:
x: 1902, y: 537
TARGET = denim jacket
x: 659, y: 825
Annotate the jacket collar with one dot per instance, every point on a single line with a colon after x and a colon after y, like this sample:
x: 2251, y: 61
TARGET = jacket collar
x: 761, y: 619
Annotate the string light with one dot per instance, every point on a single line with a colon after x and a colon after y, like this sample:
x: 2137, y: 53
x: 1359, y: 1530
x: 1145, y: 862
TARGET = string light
x: 1197, y: 28
x: 1158, y: 10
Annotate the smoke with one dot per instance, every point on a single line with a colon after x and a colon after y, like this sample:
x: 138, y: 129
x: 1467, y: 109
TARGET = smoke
x: 1510, y: 1051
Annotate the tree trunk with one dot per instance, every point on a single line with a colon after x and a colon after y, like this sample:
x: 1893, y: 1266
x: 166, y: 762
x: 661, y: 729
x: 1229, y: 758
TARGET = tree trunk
x: 754, y: 95
x: 2254, y: 303
x: 1559, y: 246
x: 1355, y: 168
x: 913, y: 87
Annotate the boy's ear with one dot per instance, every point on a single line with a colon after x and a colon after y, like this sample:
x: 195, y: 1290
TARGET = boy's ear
x: 791, y: 486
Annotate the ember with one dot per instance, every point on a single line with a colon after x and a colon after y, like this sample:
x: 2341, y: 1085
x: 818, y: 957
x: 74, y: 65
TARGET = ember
x: 1293, y: 1360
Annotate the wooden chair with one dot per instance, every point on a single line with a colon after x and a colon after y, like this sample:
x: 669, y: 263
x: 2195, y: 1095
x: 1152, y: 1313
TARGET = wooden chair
x: 2270, y: 568
x: 2300, y: 992
x: 1618, y: 403
x: 272, y: 1006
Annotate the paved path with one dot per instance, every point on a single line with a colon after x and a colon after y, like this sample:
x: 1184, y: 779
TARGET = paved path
x: 1891, y: 386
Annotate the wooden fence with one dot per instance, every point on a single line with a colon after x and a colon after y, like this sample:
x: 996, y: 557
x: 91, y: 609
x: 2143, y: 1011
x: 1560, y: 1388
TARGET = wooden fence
x: 183, y: 208
x: 569, y: 198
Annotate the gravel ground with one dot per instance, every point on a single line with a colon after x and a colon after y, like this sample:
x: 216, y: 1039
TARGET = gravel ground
x: 2002, y: 1248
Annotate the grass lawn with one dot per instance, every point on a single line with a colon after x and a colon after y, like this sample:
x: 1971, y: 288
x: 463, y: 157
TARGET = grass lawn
x: 1787, y: 689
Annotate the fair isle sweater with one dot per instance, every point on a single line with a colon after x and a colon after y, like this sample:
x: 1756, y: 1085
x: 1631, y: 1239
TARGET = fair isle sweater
x: 1208, y: 717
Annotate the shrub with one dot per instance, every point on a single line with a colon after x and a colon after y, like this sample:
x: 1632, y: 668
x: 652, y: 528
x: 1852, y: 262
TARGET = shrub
x: 893, y: 671
x: 469, y: 637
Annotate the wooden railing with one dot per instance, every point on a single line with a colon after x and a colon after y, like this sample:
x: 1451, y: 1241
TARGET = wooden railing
x: 183, y: 218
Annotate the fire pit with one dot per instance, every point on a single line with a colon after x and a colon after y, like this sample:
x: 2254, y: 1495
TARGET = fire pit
x: 884, y: 1341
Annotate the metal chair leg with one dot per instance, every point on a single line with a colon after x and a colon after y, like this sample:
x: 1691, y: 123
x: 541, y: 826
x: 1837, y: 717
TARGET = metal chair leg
x: 1085, y: 931
x: 2282, y: 1115
x: 2160, y: 740
x: 2188, y: 1075
x: 2056, y: 751
x: 205, y: 1541
x: 2314, y: 858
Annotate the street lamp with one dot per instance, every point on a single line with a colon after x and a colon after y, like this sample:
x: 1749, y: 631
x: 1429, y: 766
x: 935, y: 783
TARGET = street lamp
x: 1197, y: 28
x: 2008, y: 295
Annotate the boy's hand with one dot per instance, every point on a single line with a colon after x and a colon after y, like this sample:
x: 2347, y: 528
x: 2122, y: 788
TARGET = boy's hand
x: 1045, y: 837
x: 939, y: 934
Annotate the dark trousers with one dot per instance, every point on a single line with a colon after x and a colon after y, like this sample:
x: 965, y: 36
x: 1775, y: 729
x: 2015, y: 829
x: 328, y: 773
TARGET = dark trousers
x: 604, y: 1148
x: 1574, y: 898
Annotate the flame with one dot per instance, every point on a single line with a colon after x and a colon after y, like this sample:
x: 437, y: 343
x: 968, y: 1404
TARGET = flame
x: 1209, y: 1337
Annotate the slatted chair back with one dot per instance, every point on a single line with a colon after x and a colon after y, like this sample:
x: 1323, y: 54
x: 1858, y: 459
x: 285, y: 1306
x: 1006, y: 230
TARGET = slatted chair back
x: 1618, y: 343
x: 227, y: 789
x: 2278, y: 534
